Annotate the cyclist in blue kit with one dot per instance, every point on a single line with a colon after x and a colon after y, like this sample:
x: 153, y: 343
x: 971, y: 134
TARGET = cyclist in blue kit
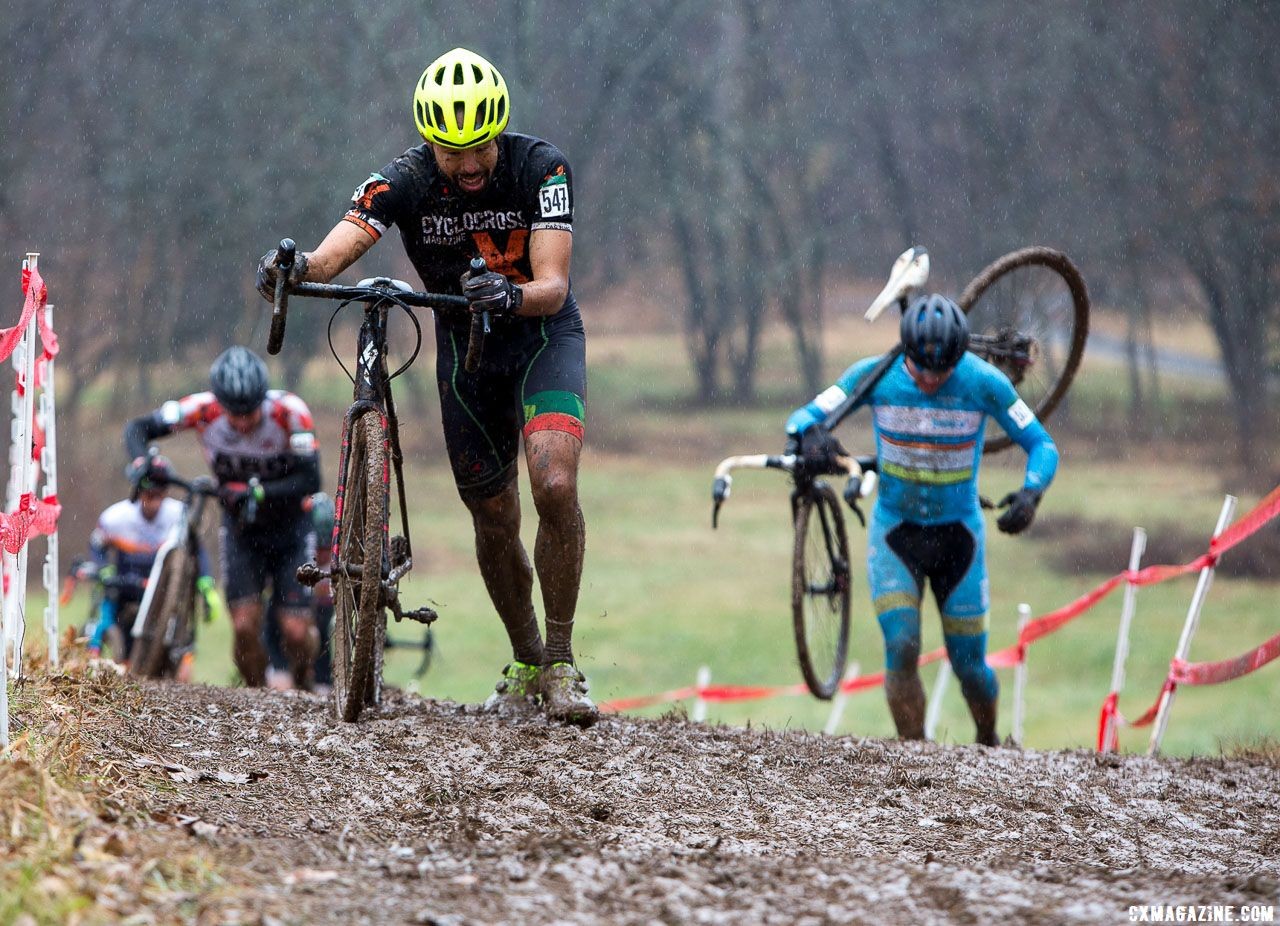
x: 929, y: 413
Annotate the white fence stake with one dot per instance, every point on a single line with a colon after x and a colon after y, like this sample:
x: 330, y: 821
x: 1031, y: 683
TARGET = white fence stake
x: 49, y: 464
x: 839, y: 701
x: 26, y: 480
x: 1020, y: 677
x: 934, y: 707
x: 13, y: 601
x: 699, y: 705
x: 21, y: 478
x: 1122, y: 640
x: 1189, y: 627
x: 19, y: 454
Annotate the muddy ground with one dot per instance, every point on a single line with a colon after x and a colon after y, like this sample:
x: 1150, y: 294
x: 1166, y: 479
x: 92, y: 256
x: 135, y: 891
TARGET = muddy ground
x: 431, y: 812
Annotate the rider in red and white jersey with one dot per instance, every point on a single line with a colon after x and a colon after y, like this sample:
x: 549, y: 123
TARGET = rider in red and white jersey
x: 261, y: 448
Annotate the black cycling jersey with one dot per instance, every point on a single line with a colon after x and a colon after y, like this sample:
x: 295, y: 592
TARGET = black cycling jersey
x: 533, y: 373
x: 443, y: 228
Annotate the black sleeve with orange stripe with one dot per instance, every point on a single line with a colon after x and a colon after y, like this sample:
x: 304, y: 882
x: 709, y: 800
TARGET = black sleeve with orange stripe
x: 377, y: 203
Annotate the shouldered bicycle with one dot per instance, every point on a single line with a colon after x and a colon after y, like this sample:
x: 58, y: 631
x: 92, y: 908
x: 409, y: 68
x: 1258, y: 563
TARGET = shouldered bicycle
x: 1029, y: 316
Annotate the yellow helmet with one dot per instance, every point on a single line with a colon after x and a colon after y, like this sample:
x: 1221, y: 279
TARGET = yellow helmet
x: 460, y: 101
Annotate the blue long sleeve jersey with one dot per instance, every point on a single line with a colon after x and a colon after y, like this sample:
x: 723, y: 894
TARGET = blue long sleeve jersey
x: 929, y: 446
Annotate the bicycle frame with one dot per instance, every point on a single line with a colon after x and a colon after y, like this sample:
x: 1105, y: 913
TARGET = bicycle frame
x: 372, y: 392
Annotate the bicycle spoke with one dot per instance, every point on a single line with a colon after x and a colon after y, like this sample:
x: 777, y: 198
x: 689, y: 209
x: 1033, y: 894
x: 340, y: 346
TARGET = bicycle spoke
x: 820, y: 591
x: 1029, y: 312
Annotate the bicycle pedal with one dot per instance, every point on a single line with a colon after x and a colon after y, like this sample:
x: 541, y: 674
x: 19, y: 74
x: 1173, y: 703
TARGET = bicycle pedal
x: 311, y: 575
x: 423, y: 615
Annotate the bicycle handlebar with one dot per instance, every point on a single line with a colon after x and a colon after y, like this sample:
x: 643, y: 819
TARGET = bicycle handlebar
x: 201, y: 485
x: 343, y: 292
x: 285, y: 256
x: 479, y: 326
x: 861, y: 472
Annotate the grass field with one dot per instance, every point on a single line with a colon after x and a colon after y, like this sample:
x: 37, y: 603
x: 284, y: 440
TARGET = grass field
x: 663, y: 594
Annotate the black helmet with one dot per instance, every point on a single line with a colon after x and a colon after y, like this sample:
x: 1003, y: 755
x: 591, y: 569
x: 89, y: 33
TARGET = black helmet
x: 935, y: 333
x: 152, y: 471
x: 239, y: 380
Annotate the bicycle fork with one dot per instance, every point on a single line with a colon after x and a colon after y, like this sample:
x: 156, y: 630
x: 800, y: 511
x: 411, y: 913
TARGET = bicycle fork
x: 398, y: 561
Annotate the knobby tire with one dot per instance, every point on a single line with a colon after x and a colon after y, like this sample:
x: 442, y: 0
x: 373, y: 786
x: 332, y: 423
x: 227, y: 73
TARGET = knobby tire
x: 168, y: 626
x: 821, y: 620
x: 359, y: 616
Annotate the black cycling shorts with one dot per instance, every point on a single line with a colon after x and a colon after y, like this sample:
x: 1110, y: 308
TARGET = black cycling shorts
x: 254, y: 560
x: 532, y: 377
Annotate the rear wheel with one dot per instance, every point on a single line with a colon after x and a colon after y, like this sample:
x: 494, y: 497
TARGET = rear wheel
x: 820, y: 588
x: 359, y: 616
x: 1029, y: 316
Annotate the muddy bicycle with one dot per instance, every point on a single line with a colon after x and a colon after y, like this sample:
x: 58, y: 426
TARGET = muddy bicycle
x: 367, y: 564
x: 164, y: 632
x: 1029, y: 316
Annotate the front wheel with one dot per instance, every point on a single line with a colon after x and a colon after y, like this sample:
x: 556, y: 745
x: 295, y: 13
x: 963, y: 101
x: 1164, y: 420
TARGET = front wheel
x: 167, y: 634
x: 820, y: 589
x: 359, y: 616
x: 1029, y: 316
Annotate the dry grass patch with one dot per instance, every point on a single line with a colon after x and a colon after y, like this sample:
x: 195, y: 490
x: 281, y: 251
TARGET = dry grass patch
x: 78, y: 842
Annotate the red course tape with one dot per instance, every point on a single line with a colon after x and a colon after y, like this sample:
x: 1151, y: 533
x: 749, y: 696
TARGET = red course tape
x: 1042, y: 626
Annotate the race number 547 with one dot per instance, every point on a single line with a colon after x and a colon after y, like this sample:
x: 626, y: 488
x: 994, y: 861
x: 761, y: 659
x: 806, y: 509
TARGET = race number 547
x: 554, y: 200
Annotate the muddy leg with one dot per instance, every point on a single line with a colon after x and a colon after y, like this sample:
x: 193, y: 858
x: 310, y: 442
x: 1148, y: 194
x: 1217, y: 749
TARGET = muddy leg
x: 984, y: 718
x: 553, y: 474
x: 248, y: 652
x: 504, y: 565
x: 301, y: 640
x: 905, y: 695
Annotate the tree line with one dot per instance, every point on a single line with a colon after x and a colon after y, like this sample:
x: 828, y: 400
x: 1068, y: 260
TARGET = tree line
x: 759, y: 150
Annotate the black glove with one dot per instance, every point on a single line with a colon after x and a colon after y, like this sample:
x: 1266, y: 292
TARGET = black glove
x: 819, y: 449
x: 268, y: 271
x: 234, y: 496
x: 1022, y: 511
x: 852, y: 495
x: 492, y: 292
x: 136, y: 469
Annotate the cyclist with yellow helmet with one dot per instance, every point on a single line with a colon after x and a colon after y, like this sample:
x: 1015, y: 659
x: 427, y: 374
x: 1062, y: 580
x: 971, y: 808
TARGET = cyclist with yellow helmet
x: 475, y: 190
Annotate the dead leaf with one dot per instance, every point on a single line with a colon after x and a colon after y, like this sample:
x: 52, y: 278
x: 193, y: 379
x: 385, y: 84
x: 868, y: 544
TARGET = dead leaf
x: 114, y: 845
x: 310, y: 876
x: 179, y: 772
x: 202, y: 829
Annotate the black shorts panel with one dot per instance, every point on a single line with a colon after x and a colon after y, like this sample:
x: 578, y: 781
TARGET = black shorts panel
x: 942, y: 553
x: 484, y: 413
x: 252, y: 562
